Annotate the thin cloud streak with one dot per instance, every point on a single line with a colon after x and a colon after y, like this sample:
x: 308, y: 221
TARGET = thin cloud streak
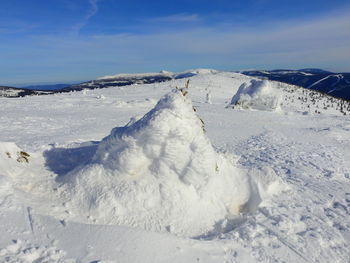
x: 325, y: 37
x: 93, y: 9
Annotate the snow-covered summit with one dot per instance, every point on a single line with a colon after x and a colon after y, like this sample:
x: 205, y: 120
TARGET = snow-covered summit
x: 137, y: 75
x: 162, y: 73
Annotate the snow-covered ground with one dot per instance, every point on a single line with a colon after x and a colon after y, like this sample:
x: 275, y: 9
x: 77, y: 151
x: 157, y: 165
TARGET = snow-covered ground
x: 254, y: 185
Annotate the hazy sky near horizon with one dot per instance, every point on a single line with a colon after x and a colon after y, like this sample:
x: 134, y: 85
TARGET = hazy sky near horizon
x: 71, y: 40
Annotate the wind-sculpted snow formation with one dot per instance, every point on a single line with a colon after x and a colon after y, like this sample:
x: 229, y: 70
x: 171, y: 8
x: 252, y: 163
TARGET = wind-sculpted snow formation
x: 162, y: 173
x: 257, y: 94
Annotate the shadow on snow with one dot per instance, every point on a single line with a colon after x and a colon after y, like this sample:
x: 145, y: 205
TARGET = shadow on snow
x: 63, y: 160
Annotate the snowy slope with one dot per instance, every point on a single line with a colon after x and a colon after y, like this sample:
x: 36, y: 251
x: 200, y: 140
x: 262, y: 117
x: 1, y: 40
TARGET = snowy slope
x: 308, y: 221
x: 333, y: 84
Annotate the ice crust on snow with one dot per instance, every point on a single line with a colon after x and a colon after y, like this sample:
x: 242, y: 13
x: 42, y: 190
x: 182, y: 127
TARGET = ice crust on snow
x: 162, y: 173
x: 258, y: 95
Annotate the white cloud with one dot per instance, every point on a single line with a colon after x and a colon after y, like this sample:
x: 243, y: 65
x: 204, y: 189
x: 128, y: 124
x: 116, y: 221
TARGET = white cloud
x: 320, y: 42
x: 323, y: 40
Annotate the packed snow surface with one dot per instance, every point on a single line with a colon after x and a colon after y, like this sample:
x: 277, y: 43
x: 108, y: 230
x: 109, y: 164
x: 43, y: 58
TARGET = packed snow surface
x: 257, y: 186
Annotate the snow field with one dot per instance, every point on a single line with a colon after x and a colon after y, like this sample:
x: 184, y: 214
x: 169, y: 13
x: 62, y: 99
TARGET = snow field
x: 305, y: 155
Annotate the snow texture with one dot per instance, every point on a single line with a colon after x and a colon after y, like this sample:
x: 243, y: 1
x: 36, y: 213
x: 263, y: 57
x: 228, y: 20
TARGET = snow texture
x: 20, y: 252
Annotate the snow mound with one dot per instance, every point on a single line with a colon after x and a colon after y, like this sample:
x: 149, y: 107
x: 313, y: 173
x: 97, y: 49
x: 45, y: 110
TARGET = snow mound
x: 161, y: 173
x: 258, y: 95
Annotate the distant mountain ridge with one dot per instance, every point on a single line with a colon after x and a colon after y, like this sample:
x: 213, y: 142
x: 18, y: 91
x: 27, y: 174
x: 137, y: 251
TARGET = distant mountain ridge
x: 117, y: 81
x: 314, y: 70
x: 333, y: 84
x: 134, y: 79
x: 99, y: 83
x: 12, y: 92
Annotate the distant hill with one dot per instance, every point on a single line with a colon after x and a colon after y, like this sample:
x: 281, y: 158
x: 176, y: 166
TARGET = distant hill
x: 119, y: 80
x: 102, y: 82
x: 12, y: 92
x: 134, y: 79
x: 334, y: 84
x: 47, y: 87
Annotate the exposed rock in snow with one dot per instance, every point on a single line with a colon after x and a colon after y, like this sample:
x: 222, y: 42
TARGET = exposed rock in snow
x: 162, y: 173
x: 258, y: 94
x: 208, y: 98
x: 12, y: 158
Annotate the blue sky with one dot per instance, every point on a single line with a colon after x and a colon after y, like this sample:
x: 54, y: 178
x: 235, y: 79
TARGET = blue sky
x: 71, y: 40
